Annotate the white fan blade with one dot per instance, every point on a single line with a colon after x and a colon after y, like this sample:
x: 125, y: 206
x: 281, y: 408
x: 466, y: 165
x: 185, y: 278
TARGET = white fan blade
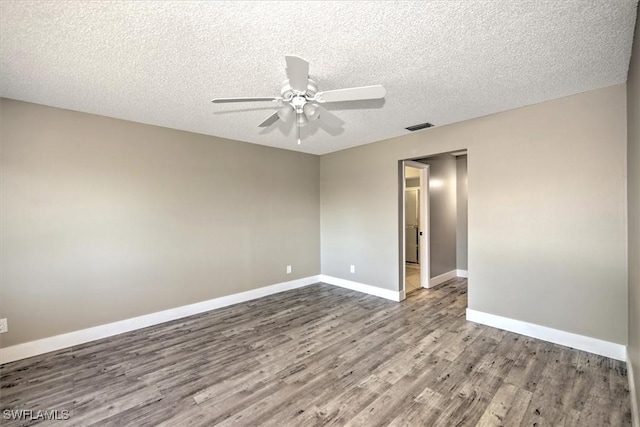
x: 269, y: 120
x: 256, y: 99
x: 352, y: 94
x: 328, y: 118
x: 297, y: 72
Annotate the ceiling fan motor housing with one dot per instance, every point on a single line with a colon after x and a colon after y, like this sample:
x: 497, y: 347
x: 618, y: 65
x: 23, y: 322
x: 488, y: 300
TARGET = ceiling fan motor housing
x: 288, y: 92
x: 300, y: 102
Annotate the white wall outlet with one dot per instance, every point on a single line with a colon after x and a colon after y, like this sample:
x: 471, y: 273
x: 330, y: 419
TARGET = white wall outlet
x: 288, y: 269
x: 352, y: 269
x: 4, y: 326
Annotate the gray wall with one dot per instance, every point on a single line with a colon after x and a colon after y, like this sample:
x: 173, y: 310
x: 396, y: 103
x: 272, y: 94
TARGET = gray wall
x: 633, y: 203
x: 442, y: 213
x: 461, y: 227
x: 547, y: 211
x: 105, y: 219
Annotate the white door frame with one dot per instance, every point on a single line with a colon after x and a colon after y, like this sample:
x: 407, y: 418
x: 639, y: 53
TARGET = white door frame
x: 423, y: 232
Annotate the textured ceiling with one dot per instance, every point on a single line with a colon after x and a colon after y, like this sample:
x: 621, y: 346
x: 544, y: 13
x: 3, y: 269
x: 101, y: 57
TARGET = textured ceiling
x: 161, y: 62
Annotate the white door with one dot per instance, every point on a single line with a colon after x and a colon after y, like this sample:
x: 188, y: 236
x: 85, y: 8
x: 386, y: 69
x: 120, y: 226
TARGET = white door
x: 415, y: 227
x: 412, y: 224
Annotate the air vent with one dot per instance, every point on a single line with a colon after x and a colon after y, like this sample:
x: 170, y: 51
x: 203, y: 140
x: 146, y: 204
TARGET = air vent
x: 418, y: 127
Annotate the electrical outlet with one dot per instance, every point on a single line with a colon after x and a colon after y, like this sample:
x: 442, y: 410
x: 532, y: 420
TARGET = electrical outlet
x: 4, y: 326
x: 352, y: 269
x: 288, y: 269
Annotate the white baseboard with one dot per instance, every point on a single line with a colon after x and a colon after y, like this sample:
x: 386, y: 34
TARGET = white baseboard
x: 361, y: 287
x: 58, y: 342
x: 435, y: 281
x: 568, y: 339
x: 462, y: 273
x: 635, y: 415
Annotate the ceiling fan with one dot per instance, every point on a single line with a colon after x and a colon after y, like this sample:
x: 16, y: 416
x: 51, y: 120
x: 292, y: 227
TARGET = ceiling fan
x: 300, y: 100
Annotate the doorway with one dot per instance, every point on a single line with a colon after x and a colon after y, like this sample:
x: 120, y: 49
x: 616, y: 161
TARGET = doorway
x: 433, y: 220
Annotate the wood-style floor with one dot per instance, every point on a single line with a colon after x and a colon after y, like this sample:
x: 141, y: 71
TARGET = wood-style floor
x: 323, y: 355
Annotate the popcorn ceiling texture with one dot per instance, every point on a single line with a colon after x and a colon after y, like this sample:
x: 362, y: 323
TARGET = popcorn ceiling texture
x: 161, y: 62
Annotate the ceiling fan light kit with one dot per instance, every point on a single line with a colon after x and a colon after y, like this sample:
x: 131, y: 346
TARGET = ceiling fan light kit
x: 300, y: 97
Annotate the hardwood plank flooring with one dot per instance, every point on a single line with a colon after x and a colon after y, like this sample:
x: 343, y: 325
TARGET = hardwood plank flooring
x: 322, y: 355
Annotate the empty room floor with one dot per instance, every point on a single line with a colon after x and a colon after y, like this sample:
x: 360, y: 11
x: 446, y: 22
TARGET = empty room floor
x: 323, y: 355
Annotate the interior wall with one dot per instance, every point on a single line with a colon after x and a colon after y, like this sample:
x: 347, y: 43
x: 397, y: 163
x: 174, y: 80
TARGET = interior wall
x: 462, y: 215
x: 633, y: 204
x: 104, y: 220
x: 547, y: 211
x: 442, y: 213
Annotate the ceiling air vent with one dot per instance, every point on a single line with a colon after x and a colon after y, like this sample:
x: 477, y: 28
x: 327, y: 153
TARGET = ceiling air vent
x: 418, y: 127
